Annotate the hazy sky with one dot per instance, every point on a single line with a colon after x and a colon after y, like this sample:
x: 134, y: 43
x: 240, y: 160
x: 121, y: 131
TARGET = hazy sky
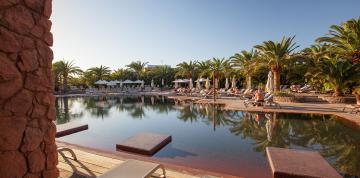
x: 116, y: 32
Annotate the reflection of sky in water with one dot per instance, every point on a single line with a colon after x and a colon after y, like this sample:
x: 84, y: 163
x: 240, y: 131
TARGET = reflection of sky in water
x: 236, y: 145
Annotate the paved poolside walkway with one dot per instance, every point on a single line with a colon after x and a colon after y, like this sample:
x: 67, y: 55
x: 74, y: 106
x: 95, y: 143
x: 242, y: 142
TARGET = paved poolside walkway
x: 93, y: 163
x: 232, y: 103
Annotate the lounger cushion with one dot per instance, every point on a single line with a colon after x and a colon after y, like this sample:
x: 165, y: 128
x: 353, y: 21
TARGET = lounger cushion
x: 132, y: 169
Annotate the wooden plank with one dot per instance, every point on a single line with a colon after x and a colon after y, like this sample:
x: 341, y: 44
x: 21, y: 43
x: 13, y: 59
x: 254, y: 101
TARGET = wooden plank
x: 68, y: 174
x: 77, y: 170
x: 90, y: 165
x: 299, y: 164
x: 96, y: 159
x: 81, y: 164
x: 144, y: 143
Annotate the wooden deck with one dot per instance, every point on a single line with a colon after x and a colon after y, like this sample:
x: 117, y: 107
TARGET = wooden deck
x: 92, y: 165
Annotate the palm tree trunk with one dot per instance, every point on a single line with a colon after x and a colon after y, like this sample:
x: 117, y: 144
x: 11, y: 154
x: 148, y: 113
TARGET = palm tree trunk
x: 276, y: 73
x: 337, y: 92
x: 65, y: 83
x: 248, y: 82
x: 66, y: 109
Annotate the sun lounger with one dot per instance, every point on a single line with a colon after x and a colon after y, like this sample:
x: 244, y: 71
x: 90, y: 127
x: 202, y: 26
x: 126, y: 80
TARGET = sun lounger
x: 67, y: 129
x: 268, y: 101
x: 134, y: 169
x: 248, y: 94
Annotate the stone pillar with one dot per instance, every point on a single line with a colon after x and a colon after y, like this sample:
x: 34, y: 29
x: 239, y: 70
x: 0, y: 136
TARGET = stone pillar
x: 27, y: 131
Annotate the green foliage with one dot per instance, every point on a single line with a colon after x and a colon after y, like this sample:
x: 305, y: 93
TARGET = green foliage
x: 62, y: 71
x: 138, y: 67
x: 277, y: 54
x: 330, y: 64
x: 186, y: 69
x: 339, y: 73
x: 283, y: 94
x: 99, y: 73
x: 345, y: 40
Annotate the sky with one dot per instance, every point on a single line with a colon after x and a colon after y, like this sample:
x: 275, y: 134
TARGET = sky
x: 115, y: 32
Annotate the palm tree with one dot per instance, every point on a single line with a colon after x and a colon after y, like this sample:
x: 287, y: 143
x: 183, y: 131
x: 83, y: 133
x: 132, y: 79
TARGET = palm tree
x: 164, y: 73
x: 187, y: 69
x: 138, y: 67
x: 218, y: 68
x: 345, y: 39
x: 314, y: 55
x: 56, y: 70
x: 65, y: 69
x: 203, y: 67
x: 339, y: 73
x: 276, y: 55
x: 100, y: 73
x: 246, y: 62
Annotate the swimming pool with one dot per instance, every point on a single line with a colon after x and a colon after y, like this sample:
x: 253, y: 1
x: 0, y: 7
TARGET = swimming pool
x: 207, y: 137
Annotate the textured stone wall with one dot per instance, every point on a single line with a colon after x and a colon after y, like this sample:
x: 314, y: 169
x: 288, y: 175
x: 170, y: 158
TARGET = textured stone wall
x: 27, y: 133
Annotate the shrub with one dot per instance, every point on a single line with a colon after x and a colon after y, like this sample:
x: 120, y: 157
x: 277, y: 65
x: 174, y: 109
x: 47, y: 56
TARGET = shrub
x: 283, y: 94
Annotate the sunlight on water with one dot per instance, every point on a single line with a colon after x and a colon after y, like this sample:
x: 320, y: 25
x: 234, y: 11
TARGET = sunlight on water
x: 207, y: 137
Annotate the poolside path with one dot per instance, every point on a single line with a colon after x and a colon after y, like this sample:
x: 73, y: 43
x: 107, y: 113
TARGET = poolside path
x: 232, y: 103
x: 92, y: 163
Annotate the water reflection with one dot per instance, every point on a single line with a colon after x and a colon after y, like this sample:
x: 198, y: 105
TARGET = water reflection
x: 338, y: 143
x: 64, y: 110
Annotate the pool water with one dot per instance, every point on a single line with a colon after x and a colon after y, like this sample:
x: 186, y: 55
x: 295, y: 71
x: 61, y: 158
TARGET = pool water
x: 208, y: 137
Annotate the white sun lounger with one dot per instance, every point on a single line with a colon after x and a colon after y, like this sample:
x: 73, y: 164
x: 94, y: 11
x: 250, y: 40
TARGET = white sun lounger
x: 134, y: 169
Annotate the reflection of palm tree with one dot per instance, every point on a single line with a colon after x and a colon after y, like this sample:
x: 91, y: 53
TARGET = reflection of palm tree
x: 256, y: 130
x: 137, y: 112
x: 63, y: 111
x: 337, y: 143
x: 343, y: 146
x: 95, y: 108
x: 161, y: 107
x: 188, y: 114
x: 218, y: 117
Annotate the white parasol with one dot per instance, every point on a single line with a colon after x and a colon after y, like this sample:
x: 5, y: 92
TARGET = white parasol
x: 226, y: 83
x: 270, y: 83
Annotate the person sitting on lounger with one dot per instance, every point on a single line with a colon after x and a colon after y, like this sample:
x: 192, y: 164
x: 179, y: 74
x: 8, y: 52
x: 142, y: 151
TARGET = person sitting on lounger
x: 259, y: 97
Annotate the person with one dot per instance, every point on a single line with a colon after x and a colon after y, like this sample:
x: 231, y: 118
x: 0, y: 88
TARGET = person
x: 259, y: 97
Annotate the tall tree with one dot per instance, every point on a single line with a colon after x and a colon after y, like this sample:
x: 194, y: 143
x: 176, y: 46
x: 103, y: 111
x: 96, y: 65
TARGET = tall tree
x: 187, y: 69
x: 100, y: 73
x: 164, y: 72
x: 56, y: 70
x: 314, y: 55
x: 339, y: 73
x: 276, y: 55
x: 217, y: 69
x: 203, y: 68
x: 345, y: 39
x: 138, y: 67
x: 246, y: 62
x: 65, y: 69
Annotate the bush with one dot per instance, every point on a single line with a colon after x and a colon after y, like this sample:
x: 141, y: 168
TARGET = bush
x: 283, y: 94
